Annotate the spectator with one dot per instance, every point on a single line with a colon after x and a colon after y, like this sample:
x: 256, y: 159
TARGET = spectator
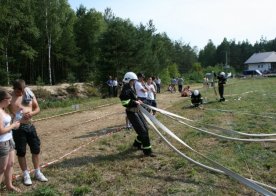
x: 110, y: 86
x: 24, y: 101
x: 6, y: 141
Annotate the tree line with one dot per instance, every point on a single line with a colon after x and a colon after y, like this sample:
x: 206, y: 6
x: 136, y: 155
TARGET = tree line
x: 47, y: 42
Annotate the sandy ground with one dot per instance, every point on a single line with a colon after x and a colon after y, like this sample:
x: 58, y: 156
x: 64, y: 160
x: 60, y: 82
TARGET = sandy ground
x: 62, y: 135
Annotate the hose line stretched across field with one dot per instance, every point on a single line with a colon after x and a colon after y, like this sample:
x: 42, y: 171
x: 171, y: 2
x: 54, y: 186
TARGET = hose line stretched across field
x: 212, y: 126
x: 221, y: 169
x: 239, y: 112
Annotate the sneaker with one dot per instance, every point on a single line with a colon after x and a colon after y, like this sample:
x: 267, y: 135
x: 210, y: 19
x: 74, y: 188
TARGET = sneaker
x: 27, y: 179
x: 40, y: 177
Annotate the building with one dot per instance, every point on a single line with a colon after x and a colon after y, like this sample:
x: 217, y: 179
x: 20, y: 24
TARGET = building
x: 263, y: 61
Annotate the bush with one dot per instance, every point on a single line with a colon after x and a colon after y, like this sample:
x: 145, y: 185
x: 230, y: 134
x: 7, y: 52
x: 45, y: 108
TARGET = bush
x: 72, y: 90
x: 91, y: 91
x: 42, y: 93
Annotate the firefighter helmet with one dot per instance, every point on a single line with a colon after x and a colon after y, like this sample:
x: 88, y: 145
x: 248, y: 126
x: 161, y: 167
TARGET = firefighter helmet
x: 196, y: 92
x: 129, y: 76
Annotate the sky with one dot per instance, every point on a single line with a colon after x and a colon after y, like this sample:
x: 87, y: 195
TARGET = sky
x: 194, y: 22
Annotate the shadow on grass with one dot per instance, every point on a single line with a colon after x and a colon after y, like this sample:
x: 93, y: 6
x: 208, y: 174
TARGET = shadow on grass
x: 127, y: 154
x: 187, y: 180
x: 102, y: 132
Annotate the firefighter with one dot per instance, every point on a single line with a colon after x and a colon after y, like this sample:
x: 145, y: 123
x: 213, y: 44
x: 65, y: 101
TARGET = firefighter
x: 221, y: 81
x: 130, y: 101
x: 196, y: 98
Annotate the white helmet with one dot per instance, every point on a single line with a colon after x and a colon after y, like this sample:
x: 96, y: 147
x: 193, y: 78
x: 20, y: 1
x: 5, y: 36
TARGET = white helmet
x: 196, y: 92
x: 222, y: 73
x: 129, y: 76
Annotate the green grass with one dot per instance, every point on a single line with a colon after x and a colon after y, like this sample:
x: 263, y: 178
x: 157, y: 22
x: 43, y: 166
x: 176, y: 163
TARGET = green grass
x: 110, y: 167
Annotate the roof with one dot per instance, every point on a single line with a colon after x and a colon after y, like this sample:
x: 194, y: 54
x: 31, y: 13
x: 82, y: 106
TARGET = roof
x: 262, y: 57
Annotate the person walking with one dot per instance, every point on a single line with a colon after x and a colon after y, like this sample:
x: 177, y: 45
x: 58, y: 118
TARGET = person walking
x: 24, y: 106
x: 130, y: 100
x: 7, y: 145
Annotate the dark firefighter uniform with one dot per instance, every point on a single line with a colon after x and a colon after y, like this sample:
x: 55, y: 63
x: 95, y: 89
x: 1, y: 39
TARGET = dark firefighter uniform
x: 128, y: 98
x: 221, y: 82
x: 196, y: 99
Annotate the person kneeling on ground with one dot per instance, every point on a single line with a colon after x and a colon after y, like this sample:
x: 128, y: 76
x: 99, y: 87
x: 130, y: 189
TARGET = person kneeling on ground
x: 196, y: 98
x: 130, y: 100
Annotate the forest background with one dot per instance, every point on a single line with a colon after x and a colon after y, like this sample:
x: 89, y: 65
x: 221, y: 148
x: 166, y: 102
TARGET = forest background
x: 47, y: 42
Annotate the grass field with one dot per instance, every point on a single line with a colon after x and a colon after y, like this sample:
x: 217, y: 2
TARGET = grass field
x: 109, y: 166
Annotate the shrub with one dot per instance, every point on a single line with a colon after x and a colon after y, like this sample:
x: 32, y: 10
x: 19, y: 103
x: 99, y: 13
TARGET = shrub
x: 72, y: 90
x: 91, y: 91
x: 42, y: 93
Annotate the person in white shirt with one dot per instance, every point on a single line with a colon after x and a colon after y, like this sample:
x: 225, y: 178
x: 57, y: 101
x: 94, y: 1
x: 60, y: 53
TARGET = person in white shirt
x: 140, y: 88
x: 158, y: 84
x: 7, y: 146
x: 151, y: 94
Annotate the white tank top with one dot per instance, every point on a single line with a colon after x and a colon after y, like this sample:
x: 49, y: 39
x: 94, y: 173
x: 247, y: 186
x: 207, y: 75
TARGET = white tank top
x: 6, y: 122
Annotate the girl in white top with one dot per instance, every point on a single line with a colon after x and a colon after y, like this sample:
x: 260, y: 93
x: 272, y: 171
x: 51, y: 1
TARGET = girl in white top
x: 151, y: 94
x: 6, y: 141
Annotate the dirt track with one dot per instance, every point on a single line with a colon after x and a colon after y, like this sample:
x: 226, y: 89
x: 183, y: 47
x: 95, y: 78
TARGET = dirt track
x: 61, y: 135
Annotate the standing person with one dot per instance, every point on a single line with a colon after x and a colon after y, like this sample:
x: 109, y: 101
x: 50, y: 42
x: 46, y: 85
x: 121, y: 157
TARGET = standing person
x: 130, y: 100
x: 6, y: 141
x: 141, y: 89
x: 221, y: 81
x: 180, y: 83
x: 110, y: 86
x: 173, y: 83
x: 24, y: 101
x: 158, y: 84
x: 115, y: 87
x: 151, y: 94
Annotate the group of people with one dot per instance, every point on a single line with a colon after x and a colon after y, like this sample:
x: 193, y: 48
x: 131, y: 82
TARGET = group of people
x: 196, y: 97
x: 16, y: 132
x: 176, y: 82
x: 112, y: 84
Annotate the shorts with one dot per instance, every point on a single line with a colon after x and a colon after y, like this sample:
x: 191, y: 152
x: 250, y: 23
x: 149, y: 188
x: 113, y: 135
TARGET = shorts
x: 6, y: 147
x: 26, y: 134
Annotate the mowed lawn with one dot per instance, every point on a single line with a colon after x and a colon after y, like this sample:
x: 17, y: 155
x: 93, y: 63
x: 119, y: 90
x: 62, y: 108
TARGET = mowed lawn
x: 109, y: 166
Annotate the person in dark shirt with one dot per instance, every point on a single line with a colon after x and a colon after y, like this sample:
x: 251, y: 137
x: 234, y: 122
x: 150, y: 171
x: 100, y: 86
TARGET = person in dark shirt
x: 221, y: 82
x: 130, y: 100
x: 196, y: 98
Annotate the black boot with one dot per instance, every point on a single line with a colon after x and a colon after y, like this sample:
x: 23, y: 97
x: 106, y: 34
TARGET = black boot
x: 148, y: 153
x: 137, y: 145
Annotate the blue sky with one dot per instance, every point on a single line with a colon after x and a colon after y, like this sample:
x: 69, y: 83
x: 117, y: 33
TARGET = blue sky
x: 194, y: 22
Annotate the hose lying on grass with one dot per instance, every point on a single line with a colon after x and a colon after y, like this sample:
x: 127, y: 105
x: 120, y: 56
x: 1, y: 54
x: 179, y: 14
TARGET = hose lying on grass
x: 221, y: 169
x: 175, y: 116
